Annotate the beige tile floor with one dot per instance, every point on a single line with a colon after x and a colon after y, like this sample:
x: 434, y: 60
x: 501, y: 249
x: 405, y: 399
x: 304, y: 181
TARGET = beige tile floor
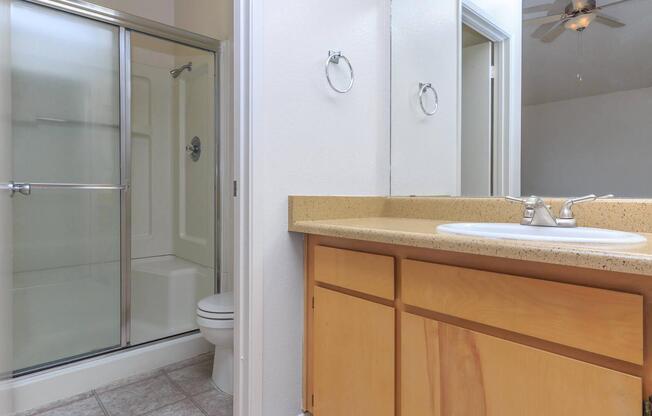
x: 181, y: 389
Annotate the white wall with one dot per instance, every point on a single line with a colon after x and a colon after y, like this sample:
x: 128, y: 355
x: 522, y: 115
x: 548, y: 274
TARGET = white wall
x: 312, y: 141
x: 508, y: 15
x: 600, y: 144
x: 6, y: 225
x: 425, y: 153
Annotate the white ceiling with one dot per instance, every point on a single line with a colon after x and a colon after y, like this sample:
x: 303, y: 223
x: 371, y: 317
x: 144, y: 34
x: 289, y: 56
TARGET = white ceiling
x: 614, y: 59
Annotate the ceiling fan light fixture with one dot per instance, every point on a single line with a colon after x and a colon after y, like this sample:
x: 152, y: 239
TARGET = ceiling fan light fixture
x: 580, y: 22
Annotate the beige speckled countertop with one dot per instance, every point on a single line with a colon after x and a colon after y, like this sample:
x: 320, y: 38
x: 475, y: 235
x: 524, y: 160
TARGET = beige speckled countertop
x: 413, y: 222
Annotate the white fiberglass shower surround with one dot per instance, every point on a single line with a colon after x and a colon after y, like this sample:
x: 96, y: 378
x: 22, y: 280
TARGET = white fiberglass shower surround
x: 115, y: 180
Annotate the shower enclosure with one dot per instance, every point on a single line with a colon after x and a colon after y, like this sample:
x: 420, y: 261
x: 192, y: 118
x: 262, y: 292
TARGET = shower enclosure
x: 115, y: 181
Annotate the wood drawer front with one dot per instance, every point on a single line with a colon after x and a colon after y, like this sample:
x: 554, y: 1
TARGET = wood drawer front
x: 601, y: 321
x: 372, y: 274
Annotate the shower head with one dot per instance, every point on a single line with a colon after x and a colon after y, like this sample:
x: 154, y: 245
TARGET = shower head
x: 177, y: 71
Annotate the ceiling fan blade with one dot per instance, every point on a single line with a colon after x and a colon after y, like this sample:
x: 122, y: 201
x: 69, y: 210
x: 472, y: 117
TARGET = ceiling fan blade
x: 542, y: 30
x: 543, y: 20
x: 556, y: 7
x: 553, y: 33
x: 613, y: 3
x: 608, y: 20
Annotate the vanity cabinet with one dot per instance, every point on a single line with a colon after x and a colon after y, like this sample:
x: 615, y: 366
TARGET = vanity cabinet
x: 395, y: 330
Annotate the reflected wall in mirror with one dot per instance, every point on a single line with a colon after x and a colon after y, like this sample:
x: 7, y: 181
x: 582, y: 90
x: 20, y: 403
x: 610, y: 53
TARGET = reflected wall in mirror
x: 587, y: 97
x: 470, y: 55
x: 424, y: 148
x: 545, y: 97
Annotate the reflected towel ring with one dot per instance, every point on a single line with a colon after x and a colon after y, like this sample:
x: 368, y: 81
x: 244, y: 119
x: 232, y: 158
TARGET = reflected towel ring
x: 334, y: 57
x: 423, y: 88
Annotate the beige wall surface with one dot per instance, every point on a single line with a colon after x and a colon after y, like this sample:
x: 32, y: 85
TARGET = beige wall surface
x: 160, y: 10
x: 212, y: 18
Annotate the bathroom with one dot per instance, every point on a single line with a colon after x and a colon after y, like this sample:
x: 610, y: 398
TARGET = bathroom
x: 229, y: 207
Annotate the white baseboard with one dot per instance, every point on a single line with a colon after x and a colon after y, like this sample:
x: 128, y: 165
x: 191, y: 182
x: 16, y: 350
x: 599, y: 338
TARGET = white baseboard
x: 36, y: 390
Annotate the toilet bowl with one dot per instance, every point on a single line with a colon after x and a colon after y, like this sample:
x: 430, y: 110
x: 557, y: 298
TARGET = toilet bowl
x: 215, y: 320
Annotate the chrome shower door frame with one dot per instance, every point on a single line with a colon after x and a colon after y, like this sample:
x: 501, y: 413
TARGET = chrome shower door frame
x: 125, y: 179
x: 127, y: 24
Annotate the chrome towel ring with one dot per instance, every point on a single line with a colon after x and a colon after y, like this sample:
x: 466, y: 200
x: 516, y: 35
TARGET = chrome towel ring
x: 423, y: 89
x: 334, y: 57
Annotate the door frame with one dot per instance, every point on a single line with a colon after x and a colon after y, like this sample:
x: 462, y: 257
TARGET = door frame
x: 248, y: 208
x: 474, y: 17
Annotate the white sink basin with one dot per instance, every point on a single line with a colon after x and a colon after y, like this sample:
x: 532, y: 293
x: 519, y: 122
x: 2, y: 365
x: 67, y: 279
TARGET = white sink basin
x: 583, y: 235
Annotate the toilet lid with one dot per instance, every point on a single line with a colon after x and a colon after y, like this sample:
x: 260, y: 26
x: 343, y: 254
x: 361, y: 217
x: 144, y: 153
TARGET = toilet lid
x: 221, y: 303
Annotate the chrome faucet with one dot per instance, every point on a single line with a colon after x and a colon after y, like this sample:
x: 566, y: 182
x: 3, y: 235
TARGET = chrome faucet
x: 537, y: 213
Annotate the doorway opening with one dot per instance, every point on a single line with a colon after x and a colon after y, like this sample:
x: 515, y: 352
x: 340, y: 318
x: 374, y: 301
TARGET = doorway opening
x: 477, y: 114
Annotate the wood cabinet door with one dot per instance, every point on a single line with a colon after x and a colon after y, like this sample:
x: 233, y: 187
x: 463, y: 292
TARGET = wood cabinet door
x: 353, y: 353
x: 451, y: 371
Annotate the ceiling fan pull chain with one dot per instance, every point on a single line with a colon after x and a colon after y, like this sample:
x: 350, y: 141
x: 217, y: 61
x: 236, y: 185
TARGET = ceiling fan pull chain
x: 580, y: 56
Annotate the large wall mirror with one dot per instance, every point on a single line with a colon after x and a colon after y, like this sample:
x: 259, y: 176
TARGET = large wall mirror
x: 539, y: 97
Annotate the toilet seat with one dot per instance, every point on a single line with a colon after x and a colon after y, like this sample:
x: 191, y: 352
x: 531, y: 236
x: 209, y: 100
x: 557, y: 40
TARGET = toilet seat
x: 215, y: 323
x: 216, y: 311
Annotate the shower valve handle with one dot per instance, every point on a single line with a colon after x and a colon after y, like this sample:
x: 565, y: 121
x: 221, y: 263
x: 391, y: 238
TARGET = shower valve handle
x: 194, y: 149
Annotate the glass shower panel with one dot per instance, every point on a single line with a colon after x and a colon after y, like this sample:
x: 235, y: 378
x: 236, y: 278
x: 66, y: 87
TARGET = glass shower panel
x: 65, y: 83
x: 173, y: 195
x: 66, y: 240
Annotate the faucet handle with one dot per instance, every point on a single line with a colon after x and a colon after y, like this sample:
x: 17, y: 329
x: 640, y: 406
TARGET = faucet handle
x: 517, y: 200
x: 566, y: 208
x: 566, y: 217
x: 532, y: 201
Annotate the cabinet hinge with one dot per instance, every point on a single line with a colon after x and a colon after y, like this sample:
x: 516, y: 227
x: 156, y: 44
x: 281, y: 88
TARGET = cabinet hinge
x: 492, y: 71
x: 313, y: 302
x: 235, y: 188
x: 312, y: 399
x: 647, y: 406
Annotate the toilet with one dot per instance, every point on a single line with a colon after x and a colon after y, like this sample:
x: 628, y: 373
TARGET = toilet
x: 215, y: 320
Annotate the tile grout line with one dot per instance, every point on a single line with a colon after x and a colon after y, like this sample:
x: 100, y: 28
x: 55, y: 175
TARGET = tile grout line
x: 46, y: 408
x: 99, y: 401
x: 162, y: 407
x: 188, y: 396
x: 159, y: 373
x: 95, y: 394
x: 155, y: 373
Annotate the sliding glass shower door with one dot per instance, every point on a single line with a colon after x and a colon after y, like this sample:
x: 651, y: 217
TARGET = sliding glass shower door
x: 66, y: 190
x: 112, y: 192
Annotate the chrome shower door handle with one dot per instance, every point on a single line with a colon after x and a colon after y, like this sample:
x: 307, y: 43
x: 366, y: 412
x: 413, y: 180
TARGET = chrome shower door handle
x: 423, y: 89
x: 27, y: 188
x: 22, y: 188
